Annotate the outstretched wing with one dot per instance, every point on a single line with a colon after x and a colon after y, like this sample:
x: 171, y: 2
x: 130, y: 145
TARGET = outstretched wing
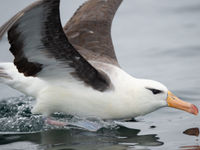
x: 90, y: 30
x: 41, y: 48
x: 5, y: 27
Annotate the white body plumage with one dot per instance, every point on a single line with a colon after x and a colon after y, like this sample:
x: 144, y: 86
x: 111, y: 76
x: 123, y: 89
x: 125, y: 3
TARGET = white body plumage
x: 75, y: 98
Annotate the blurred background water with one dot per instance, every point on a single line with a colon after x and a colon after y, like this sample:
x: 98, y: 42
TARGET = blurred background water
x: 153, y: 39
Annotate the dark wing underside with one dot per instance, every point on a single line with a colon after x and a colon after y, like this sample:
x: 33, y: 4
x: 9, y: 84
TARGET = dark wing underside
x: 41, y: 48
x: 90, y: 30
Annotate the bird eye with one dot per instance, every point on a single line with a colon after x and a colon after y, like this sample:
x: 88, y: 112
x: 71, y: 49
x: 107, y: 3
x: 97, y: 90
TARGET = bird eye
x: 154, y: 91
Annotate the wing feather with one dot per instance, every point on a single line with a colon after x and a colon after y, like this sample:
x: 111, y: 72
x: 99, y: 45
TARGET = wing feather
x: 41, y: 48
x: 90, y: 30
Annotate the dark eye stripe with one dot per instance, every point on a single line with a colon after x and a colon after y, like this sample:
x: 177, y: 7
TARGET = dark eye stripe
x: 155, y: 91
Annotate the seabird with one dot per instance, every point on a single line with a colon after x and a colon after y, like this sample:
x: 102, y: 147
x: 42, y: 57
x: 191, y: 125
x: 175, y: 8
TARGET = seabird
x: 74, y: 69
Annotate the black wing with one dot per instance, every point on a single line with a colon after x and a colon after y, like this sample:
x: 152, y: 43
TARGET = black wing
x: 41, y: 48
x: 90, y: 30
x: 5, y: 27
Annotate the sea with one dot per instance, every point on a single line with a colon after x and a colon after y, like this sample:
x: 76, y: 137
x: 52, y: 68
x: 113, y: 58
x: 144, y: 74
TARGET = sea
x: 153, y: 39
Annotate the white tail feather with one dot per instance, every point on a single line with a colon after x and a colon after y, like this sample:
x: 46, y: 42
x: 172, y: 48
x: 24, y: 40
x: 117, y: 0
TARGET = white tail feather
x: 4, y: 76
x: 9, y: 75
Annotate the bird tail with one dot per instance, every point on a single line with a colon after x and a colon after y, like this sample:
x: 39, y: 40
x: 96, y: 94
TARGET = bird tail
x: 28, y: 85
x: 4, y: 75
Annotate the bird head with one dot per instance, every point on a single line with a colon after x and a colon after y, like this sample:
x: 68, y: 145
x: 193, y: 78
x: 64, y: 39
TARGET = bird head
x: 154, y: 95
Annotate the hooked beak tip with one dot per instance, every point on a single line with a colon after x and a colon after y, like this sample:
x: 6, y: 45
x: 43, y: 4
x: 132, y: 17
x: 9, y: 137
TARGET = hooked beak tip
x: 194, y: 110
x: 177, y: 103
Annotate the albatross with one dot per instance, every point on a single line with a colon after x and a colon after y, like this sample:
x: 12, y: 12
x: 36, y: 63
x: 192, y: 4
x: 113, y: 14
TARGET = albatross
x: 74, y: 69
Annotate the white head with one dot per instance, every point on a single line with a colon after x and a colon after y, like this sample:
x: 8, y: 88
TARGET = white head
x: 151, y: 95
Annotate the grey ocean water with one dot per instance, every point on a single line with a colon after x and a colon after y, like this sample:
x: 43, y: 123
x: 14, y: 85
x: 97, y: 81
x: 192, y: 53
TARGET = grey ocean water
x: 154, y: 39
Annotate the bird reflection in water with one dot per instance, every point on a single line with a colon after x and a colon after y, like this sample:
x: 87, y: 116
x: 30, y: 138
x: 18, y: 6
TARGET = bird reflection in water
x: 79, y: 139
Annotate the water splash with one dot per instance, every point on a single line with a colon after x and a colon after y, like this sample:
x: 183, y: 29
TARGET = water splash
x: 16, y: 116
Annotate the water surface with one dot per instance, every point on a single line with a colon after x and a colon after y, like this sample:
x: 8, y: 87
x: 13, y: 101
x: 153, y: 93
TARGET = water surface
x: 153, y: 39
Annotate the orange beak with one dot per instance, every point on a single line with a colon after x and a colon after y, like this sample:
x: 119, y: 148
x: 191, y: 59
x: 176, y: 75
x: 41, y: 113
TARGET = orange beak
x: 175, y: 102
